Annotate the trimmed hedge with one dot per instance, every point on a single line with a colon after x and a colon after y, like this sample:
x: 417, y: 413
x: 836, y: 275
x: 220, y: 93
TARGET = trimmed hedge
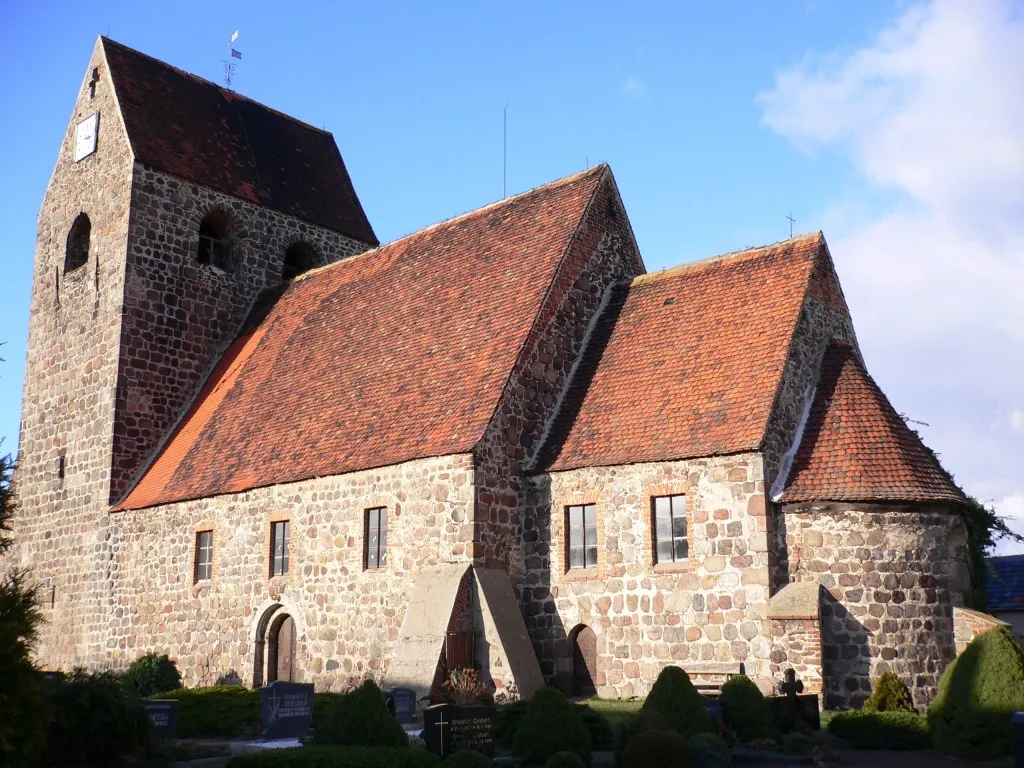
x: 657, y: 749
x: 510, y: 716
x: 467, y: 758
x: 709, y: 751
x: 890, y: 695
x: 360, y: 718
x: 565, y: 760
x: 221, y: 711
x: 978, y: 694
x: 338, y: 757
x: 552, y: 724
x: 674, y: 704
x: 745, y: 710
x: 881, y: 730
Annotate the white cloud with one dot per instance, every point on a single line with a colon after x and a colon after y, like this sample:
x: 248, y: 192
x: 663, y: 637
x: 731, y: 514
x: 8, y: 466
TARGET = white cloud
x: 1017, y: 420
x: 1011, y: 508
x: 933, y: 111
x: 634, y: 87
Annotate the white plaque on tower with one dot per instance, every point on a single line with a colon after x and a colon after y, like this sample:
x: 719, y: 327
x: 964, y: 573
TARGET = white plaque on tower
x: 85, y: 136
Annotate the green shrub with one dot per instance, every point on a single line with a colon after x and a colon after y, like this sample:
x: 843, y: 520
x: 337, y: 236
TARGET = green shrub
x: 360, y: 718
x: 220, y: 711
x: 152, y: 674
x: 657, y: 749
x: 182, y: 751
x: 978, y: 693
x: 510, y: 716
x: 467, y: 758
x: 338, y: 757
x: 890, y: 695
x: 709, y: 751
x: 881, y: 730
x: 552, y: 724
x: 565, y: 760
x: 675, y: 704
x: 796, y: 743
x: 93, y: 720
x: 745, y: 710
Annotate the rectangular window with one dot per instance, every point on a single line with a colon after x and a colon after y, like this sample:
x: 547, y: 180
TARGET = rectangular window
x: 204, y: 556
x: 670, y: 544
x: 376, y: 537
x: 280, y: 535
x: 581, y: 523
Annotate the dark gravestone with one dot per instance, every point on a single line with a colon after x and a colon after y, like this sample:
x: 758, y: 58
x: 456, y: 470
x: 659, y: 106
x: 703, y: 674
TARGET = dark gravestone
x: 788, y: 719
x: 1017, y: 737
x: 287, y: 709
x: 163, y: 713
x: 448, y: 728
x: 404, y: 702
x: 52, y: 677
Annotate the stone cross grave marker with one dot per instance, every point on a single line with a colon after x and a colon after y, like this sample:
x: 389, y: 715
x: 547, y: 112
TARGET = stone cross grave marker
x: 287, y: 709
x: 163, y: 713
x: 791, y: 688
x: 448, y: 728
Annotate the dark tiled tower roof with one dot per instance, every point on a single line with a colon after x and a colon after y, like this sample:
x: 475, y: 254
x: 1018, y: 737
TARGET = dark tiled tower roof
x: 200, y: 132
x: 855, y: 447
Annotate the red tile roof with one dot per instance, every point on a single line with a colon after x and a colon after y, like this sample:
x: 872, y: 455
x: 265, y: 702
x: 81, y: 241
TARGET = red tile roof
x: 686, y: 362
x: 200, y: 132
x: 399, y: 353
x: 855, y: 447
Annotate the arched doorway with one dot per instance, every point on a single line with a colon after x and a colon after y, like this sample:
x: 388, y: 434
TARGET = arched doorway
x: 275, y: 637
x: 584, y: 661
x: 281, y: 649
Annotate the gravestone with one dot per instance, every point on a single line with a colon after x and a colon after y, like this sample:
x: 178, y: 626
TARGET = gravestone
x: 402, y: 702
x: 52, y: 676
x: 796, y: 706
x: 448, y: 728
x: 163, y: 713
x: 287, y: 709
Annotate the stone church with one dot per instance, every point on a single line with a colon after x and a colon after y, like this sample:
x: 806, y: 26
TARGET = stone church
x: 260, y: 441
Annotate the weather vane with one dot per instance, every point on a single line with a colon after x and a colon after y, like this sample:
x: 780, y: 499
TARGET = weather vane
x: 229, y: 64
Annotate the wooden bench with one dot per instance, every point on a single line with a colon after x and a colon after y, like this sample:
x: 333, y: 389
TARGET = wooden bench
x: 708, y: 677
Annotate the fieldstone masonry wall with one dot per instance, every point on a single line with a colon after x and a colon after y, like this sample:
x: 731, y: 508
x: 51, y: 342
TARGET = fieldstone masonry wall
x: 603, y: 253
x: 350, y: 616
x: 893, y: 577
x: 711, y: 608
x: 61, y: 529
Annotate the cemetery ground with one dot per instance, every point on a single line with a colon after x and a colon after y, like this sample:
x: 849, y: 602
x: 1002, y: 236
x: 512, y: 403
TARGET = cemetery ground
x: 99, y: 720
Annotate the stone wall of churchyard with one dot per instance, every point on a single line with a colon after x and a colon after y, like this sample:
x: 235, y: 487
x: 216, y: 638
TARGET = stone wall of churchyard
x: 602, y: 253
x: 892, y: 577
x: 179, y: 315
x: 709, y: 610
x: 347, y: 617
x: 61, y: 525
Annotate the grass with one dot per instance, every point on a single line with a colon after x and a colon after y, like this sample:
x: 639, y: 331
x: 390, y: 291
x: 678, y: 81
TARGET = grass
x: 615, y: 710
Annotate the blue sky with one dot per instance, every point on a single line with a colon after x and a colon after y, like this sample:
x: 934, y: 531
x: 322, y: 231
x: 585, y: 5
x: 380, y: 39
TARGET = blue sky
x: 893, y: 126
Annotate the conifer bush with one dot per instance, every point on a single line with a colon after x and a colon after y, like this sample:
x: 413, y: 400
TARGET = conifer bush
x: 152, y: 674
x: 565, y: 760
x: 657, y: 749
x: 552, y: 724
x: 890, y: 695
x: 360, y: 718
x: 746, y: 711
x: 881, y: 730
x: 674, y: 704
x: 709, y: 751
x: 978, y: 694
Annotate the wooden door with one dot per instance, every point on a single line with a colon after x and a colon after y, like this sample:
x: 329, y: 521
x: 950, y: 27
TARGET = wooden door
x: 584, y: 661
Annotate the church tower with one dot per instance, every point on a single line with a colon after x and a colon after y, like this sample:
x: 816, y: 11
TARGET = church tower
x: 173, y: 206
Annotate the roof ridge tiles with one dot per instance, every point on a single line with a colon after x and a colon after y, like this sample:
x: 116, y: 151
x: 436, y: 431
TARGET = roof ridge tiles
x: 752, y: 252
x: 203, y: 81
x: 458, y: 219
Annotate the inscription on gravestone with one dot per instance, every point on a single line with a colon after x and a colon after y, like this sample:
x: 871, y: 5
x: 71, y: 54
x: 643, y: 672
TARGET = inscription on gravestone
x: 287, y: 709
x: 163, y: 713
x: 447, y: 729
x: 404, y: 701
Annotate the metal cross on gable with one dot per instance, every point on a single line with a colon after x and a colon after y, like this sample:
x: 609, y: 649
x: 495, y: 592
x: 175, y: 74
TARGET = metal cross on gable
x: 791, y: 222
